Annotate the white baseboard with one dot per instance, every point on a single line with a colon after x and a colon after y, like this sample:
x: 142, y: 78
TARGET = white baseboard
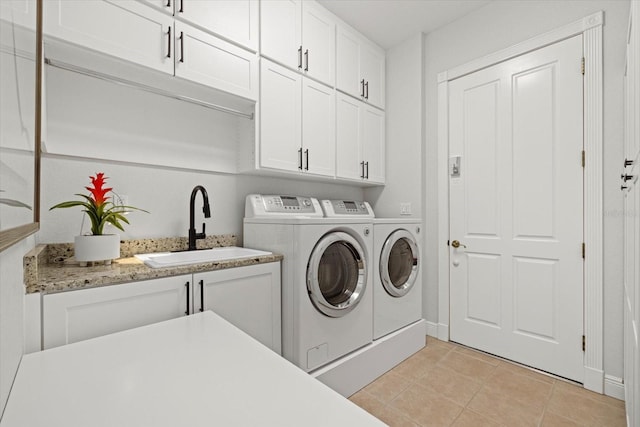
x: 594, y: 379
x: 613, y: 387
x: 432, y: 329
x: 443, y: 332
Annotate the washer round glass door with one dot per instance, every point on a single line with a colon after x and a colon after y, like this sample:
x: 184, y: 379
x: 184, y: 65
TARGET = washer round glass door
x: 336, y: 274
x: 399, y: 263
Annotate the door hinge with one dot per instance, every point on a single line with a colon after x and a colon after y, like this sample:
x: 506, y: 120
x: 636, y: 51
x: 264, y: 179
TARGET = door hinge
x: 584, y: 343
x: 582, y: 66
x: 583, y: 158
x: 583, y: 250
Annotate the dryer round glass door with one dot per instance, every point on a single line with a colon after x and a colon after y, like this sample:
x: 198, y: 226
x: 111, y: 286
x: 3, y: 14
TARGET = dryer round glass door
x: 399, y: 263
x: 336, y: 274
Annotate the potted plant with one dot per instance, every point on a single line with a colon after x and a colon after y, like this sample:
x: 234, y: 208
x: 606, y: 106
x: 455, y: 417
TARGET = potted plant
x: 98, y: 246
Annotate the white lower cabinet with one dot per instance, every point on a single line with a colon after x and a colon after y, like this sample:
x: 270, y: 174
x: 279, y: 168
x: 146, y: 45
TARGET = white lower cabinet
x: 248, y: 297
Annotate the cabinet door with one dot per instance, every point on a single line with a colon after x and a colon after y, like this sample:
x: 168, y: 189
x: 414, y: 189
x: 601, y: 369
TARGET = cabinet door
x: 125, y: 29
x: 87, y: 313
x: 348, y: 62
x: 247, y: 297
x: 280, y: 117
x: 280, y: 31
x: 203, y: 58
x: 349, y: 162
x: 318, y: 43
x: 235, y: 20
x: 373, y: 140
x: 372, y: 67
x: 318, y: 128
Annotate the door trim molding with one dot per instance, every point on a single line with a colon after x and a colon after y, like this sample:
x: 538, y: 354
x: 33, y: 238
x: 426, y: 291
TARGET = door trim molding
x: 590, y: 27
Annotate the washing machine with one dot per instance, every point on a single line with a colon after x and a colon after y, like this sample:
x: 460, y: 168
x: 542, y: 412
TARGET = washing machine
x: 327, y: 295
x: 397, y: 293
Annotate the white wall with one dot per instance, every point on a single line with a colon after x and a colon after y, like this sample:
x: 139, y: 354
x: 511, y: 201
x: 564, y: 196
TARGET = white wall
x: 501, y: 24
x: 404, y: 132
x: 11, y: 314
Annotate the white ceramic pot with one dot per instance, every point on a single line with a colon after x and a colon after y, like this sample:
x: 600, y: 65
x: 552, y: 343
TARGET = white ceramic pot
x: 105, y: 247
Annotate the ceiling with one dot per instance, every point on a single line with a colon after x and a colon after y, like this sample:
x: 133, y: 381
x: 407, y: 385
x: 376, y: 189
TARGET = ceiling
x: 389, y: 22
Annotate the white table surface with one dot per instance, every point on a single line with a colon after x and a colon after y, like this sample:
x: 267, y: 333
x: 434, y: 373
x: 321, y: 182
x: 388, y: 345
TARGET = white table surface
x: 197, y: 370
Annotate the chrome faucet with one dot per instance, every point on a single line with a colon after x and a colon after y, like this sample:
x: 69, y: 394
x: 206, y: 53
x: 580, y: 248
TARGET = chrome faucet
x: 193, y: 236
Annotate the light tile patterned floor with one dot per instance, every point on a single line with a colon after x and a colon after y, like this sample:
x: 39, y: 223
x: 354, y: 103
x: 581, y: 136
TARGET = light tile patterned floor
x: 445, y: 384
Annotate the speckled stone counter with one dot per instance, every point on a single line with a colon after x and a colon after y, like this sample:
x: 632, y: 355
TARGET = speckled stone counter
x: 52, y: 268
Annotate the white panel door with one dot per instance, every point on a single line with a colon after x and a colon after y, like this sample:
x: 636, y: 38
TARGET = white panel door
x: 203, y: 58
x: 516, y: 209
x: 318, y: 128
x: 281, y: 32
x: 280, y: 117
x: 349, y: 163
x: 372, y: 68
x: 235, y: 20
x: 373, y: 143
x: 318, y: 43
x: 125, y: 29
x: 87, y: 313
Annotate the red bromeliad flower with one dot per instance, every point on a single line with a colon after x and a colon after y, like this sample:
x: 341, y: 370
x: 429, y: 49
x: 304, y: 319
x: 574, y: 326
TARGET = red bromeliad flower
x: 99, y: 209
x: 97, y: 191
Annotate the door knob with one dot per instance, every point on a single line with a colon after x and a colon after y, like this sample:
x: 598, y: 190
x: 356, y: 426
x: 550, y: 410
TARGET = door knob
x: 456, y: 244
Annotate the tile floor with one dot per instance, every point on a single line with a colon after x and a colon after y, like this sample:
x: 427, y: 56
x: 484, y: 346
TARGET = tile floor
x: 445, y: 384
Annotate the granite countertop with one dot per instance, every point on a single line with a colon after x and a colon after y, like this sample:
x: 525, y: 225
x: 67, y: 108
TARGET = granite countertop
x: 51, y: 268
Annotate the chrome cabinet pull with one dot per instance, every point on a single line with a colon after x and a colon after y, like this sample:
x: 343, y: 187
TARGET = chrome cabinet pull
x: 362, y: 169
x: 366, y: 164
x: 169, y: 42
x: 201, y: 295
x: 300, y: 158
x: 362, y: 88
x: 188, y: 298
x: 306, y: 153
x: 366, y: 85
x: 181, y: 46
x: 300, y: 57
x: 306, y: 58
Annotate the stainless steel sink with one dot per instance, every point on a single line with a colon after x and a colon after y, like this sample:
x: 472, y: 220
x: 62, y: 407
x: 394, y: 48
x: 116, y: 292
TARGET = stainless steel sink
x: 173, y: 259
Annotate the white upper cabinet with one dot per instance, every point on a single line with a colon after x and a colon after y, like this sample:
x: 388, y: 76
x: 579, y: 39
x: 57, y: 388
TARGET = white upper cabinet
x: 297, y: 123
x: 360, y: 67
x: 203, y: 58
x: 150, y: 36
x: 124, y: 29
x: 360, y: 141
x: 234, y: 20
x: 299, y: 35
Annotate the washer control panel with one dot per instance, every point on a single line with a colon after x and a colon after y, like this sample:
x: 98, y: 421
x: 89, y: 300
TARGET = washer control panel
x: 346, y: 209
x: 258, y: 205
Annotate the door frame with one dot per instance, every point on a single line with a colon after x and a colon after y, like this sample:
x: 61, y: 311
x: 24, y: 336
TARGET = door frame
x: 590, y: 27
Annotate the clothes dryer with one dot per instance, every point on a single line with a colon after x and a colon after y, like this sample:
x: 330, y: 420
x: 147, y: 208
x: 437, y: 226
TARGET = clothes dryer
x: 327, y: 300
x: 397, y: 294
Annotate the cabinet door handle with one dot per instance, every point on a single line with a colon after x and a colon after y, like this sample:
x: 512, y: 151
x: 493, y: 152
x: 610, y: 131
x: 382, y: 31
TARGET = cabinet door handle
x: 181, y: 6
x: 169, y: 42
x: 362, y: 169
x: 627, y: 162
x: 306, y: 60
x: 300, y: 57
x: 300, y: 158
x: 201, y: 295
x: 168, y: 3
x: 181, y: 46
x: 366, y: 85
x: 306, y: 153
x: 366, y: 164
x: 188, y: 298
x: 362, y: 88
